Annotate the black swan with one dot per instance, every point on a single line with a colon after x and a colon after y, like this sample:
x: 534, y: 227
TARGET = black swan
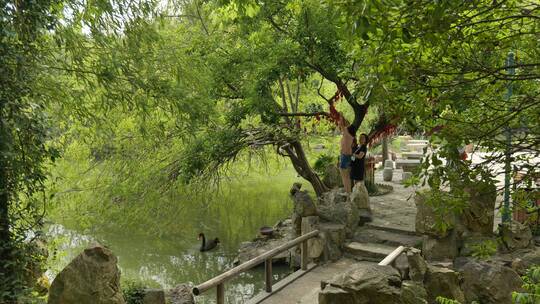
x: 207, y: 246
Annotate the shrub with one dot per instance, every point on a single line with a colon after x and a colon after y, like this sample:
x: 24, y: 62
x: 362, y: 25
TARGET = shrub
x: 133, y: 292
x: 531, y: 286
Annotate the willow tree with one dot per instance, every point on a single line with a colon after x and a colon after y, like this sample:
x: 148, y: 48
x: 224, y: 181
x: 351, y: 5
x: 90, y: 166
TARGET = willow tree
x: 263, y: 59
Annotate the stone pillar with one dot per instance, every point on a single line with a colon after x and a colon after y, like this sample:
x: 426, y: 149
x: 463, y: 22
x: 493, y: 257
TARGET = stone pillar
x: 316, y: 244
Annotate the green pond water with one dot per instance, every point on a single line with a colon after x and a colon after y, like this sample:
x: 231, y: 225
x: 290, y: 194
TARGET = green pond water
x: 174, y: 258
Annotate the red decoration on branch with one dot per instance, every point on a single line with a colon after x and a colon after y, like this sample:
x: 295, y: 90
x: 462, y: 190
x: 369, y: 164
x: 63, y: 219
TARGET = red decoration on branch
x: 379, y: 134
x: 334, y: 114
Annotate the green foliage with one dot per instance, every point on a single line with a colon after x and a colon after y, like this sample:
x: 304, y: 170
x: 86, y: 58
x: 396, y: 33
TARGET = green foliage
x: 484, y: 250
x: 133, y: 292
x: 322, y: 162
x: 24, y: 132
x: 531, y: 286
x: 443, y: 300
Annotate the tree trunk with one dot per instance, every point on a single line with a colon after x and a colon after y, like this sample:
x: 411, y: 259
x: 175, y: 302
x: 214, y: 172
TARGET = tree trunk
x: 6, y: 246
x: 300, y: 163
x: 385, y: 149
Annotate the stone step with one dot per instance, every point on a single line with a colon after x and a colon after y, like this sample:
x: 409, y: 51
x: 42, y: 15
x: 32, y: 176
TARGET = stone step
x: 369, y: 250
x: 371, y: 235
x: 380, y: 224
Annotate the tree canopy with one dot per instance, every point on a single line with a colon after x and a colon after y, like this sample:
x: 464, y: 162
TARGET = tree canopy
x: 196, y: 84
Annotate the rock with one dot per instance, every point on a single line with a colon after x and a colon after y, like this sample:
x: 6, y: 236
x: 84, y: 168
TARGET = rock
x: 365, y: 216
x: 91, y: 277
x: 182, y: 294
x: 331, y: 177
x: 333, y: 236
x: 519, y: 266
x: 436, y: 249
x: 360, y: 196
x: 402, y: 265
x: 515, y: 235
x: 487, y: 283
x: 477, y: 218
x: 154, y: 296
x: 389, y: 164
x: 426, y: 218
x: 444, y: 282
x: 468, y: 245
x: 303, y: 206
x: 413, y: 293
x: 530, y: 256
x: 417, y: 265
x: 364, y: 284
x: 283, y: 232
x: 518, y: 258
x: 335, y: 206
x: 387, y: 174
x: 334, y: 295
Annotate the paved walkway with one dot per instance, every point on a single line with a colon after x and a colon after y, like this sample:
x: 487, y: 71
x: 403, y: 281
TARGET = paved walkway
x: 392, y: 210
x: 305, y: 290
x: 396, y: 209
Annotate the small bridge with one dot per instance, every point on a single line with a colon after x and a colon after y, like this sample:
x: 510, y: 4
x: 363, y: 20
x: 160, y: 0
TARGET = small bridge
x: 380, y: 241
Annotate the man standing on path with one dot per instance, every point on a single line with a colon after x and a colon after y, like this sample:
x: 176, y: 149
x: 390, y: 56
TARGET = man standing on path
x: 347, y: 137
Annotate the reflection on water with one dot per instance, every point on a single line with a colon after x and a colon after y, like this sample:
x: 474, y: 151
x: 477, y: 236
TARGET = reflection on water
x: 234, y: 214
x: 175, y: 258
x: 164, y: 263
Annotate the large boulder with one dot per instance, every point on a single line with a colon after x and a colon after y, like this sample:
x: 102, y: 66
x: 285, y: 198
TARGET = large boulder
x: 303, y: 206
x: 363, y: 284
x: 335, y: 295
x: 487, y: 282
x: 333, y: 236
x: 437, y: 249
x: 413, y: 293
x: 332, y: 177
x: 515, y: 235
x: 335, y: 206
x: 360, y: 196
x: 469, y: 244
x: 426, y: 221
x: 477, y: 218
x: 441, y: 281
x: 90, y: 278
x: 417, y: 265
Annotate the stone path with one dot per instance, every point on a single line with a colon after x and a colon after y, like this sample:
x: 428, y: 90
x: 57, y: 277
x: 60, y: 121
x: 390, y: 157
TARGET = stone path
x: 393, y: 225
x: 393, y: 210
x: 306, y: 289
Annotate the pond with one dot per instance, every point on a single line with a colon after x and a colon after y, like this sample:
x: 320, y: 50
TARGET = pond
x: 167, y: 260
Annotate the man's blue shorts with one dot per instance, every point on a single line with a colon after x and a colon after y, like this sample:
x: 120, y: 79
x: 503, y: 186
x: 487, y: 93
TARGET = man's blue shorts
x: 344, y: 161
